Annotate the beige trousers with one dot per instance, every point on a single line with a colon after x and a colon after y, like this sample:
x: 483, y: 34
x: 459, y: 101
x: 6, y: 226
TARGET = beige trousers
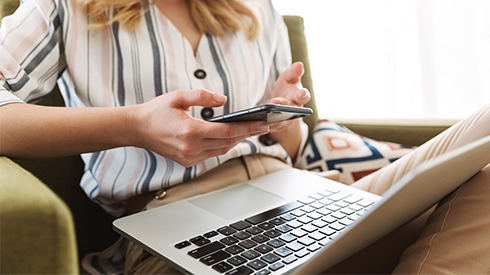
x: 453, y: 237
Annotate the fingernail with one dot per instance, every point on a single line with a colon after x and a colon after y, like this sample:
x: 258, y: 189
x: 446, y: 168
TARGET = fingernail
x: 263, y: 127
x: 305, y: 93
x: 219, y: 98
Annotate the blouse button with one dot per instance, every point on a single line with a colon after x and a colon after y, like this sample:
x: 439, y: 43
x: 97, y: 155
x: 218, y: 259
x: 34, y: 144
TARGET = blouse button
x: 200, y: 74
x: 207, y: 113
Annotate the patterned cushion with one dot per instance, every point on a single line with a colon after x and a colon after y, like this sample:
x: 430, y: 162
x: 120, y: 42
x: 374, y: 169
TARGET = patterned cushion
x: 333, y: 146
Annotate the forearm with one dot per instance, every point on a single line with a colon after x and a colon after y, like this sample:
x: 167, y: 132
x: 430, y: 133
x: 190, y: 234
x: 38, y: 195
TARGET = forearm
x: 31, y: 131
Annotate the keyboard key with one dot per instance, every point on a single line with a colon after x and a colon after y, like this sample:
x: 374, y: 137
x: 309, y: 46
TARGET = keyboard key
x: 207, y: 249
x: 272, y: 233
x: 316, y: 196
x: 302, y: 253
x: 237, y: 260
x: 210, y: 234
x: 352, y: 199
x: 288, y: 216
x: 314, y: 215
x: 270, y: 258
x: 304, y: 219
x: 298, y: 212
x: 263, y: 272
x: 242, y: 235
x: 234, y: 249
x: 342, y: 204
x: 347, y: 211
x: 182, y: 244
x: 199, y: 241
x: 314, y: 247
x: 317, y: 236
x: 263, y: 249
x: 319, y: 223
x: 250, y: 254
x: 228, y: 240
x: 324, y: 211
x: 307, y: 209
x: 306, y: 241
x: 346, y: 221
x: 327, y: 231
x: 332, y: 207
x: 289, y: 259
x: 339, y: 196
x: 266, y: 225
x: 356, y: 207
x: 277, y: 221
x: 260, y: 238
x: 337, y: 226
x: 240, y: 225
x: 276, y: 266
x: 329, y: 219
x: 222, y: 267
x: 339, y: 215
x: 215, y: 257
x: 325, y: 201
x: 276, y: 243
x: 294, y: 246
x: 242, y: 270
x: 309, y: 228
x: 317, y: 205
x: 283, y: 252
x: 365, y: 202
x: 247, y: 244
x: 225, y: 230
x: 299, y: 233
x: 257, y: 264
x: 254, y: 230
x: 306, y: 200
x: 294, y: 224
x: 324, y: 241
x: 273, y: 212
x: 283, y: 228
x: 287, y: 238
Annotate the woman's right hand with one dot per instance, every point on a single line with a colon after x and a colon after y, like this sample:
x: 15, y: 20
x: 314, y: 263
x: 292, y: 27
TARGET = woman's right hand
x: 164, y: 125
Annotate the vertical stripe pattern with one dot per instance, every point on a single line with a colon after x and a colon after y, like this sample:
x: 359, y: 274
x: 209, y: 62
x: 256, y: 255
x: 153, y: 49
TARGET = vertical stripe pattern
x: 114, y: 67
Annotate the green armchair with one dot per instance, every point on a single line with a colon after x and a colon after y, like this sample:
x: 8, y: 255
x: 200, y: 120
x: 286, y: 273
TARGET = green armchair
x: 47, y: 222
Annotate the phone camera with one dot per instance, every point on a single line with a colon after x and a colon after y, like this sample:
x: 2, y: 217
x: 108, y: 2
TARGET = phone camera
x: 207, y: 113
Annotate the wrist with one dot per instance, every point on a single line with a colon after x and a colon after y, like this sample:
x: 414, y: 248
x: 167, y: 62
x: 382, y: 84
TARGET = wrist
x: 132, y: 130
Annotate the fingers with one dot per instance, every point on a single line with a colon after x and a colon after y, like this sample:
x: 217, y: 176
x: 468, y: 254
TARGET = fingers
x: 187, y: 98
x: 226, y: 130
x: 297, y: 98
x: 293, y: 74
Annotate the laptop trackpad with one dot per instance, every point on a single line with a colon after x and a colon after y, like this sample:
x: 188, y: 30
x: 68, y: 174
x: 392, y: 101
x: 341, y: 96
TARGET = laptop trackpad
x: 235, y: 201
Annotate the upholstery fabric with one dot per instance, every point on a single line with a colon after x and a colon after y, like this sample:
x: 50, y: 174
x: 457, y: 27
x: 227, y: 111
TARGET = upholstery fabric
x: 335, y: 147
x: 37, y: 230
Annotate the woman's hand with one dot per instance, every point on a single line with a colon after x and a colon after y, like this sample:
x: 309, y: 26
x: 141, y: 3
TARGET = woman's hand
x: 288, y: 90
x: 166, y: 127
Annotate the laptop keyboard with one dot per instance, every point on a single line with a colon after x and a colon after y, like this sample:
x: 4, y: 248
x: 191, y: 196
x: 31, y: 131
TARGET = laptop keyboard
x: 278, y: 237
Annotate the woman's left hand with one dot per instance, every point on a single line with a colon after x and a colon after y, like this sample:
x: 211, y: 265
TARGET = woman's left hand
x: 288, y: 90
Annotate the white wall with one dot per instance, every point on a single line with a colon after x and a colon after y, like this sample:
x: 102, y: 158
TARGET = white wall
x: 397, y: 59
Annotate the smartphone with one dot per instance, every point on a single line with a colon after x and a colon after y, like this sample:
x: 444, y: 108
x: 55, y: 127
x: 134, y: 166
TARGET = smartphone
x: 271, y: 113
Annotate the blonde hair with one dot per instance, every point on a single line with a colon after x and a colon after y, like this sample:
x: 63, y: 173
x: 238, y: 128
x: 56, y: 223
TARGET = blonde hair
x: 215, y: 17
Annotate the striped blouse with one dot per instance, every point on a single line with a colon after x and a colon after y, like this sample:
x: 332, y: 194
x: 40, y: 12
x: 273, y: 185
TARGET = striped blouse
x: 46, y: 42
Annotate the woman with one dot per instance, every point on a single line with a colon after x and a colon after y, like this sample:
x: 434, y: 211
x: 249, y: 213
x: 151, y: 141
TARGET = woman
x: 150, y: 68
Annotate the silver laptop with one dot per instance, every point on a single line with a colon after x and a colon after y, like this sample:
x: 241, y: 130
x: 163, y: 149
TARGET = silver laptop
x: 291, y: 221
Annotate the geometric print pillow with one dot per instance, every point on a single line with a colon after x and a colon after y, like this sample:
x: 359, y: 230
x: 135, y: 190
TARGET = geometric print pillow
x: 334, y: 147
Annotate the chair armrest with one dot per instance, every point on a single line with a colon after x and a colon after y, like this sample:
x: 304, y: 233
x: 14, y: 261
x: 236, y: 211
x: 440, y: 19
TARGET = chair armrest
x: 37, y: 230
x: 404, y: 131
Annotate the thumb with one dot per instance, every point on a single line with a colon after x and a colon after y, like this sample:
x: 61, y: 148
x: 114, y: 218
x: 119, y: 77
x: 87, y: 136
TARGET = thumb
x: 187, y: 98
